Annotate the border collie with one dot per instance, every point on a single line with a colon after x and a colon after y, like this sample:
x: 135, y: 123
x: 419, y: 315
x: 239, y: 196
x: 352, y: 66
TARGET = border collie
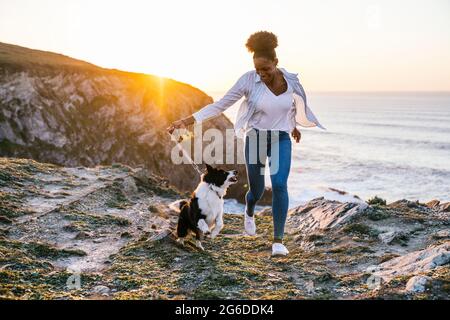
x: 203, y: 212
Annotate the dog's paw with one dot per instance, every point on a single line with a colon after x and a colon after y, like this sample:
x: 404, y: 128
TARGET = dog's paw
x: 198, y: 244
x: 214, y: 235
x: 203, y: 226
x: 205, y: 231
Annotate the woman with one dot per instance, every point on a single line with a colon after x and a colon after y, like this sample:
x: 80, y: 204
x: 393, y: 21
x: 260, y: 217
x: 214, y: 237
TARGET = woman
x: 275, y: 104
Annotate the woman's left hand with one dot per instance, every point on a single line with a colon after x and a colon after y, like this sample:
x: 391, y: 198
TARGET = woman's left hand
x: 296, y: 135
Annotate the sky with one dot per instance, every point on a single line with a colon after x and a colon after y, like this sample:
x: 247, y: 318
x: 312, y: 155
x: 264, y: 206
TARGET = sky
x: 346, y: 45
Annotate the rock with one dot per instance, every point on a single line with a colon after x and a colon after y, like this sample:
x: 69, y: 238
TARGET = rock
x: 436, y: 205
x: 412, y: 204
x: 433, y: 204
x: 126, y: 234
x: 338, y: 191
x: 129, y: 186
x: 5, y: 220
x: 387, y: 237
x: 417, y: 284
x: 4, y: 232
x: 324, y: 277
x: 314, y: 236
x: 345, y: 193
x: 415, y: 262
x: 102, y: 290
x: 163, y: 213
x: 265, y: 212
x: 323, y: 214
x: 407, y: 206
x: 160, y: 235
x: 393, y: 236
x: 83, y: 235
x: 445, y: 207
x: 443, y: 234
x: 142, y: 175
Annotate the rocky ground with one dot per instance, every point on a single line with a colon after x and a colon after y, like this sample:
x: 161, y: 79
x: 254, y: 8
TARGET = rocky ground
x: 106, y: 233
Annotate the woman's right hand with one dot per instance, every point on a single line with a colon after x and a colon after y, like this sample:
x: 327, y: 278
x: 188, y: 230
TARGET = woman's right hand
x: 179, y: 124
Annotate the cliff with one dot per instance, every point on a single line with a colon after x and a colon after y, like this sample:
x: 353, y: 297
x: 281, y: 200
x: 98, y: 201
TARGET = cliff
x: 60, y: 110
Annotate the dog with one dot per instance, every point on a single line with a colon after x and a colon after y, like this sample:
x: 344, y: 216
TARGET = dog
x: 203, y: 212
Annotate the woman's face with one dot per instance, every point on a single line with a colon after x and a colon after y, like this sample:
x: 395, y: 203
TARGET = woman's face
x: 266, y: 68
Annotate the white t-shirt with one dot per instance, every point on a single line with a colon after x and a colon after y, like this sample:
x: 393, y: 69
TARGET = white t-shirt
x: 251, y: 86
x: 272, y: 111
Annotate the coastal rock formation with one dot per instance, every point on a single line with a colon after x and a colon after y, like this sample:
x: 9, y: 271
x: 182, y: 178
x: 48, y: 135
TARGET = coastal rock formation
x: 83, y: 209
x: 437, y: 205
x: 108, y: 232
x: 417, y: 284
x: 59, y: 110
x: 321, y: 214
x: 415, y: 262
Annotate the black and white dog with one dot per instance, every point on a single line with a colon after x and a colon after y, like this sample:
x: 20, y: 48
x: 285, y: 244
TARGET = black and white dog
x: 203, y: 212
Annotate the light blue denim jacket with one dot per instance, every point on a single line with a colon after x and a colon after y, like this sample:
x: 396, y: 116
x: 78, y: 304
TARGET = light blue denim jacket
x: 251, y: 86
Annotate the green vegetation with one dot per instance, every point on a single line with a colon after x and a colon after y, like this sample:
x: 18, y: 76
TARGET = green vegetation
x: 231, y: 267
x: 360, y: 229
x: 41, y: 250
x: 83, y: 221
x: 376, y: 214
x: 376, y: 201
x: 118, y: 198
x: 16, y: 56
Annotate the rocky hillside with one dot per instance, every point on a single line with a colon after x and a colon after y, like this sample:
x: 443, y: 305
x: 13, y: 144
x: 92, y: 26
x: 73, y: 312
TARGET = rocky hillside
x: 59, y: 110
x: 107, y: 233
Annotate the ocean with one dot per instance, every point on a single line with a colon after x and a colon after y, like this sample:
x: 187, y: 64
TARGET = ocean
x: 391, y: 145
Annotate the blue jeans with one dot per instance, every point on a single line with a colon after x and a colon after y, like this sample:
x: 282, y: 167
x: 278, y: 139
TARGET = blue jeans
x: 277, y: 146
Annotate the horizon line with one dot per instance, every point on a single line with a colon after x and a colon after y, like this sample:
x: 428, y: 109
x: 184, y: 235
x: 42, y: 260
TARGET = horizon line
x: 364, y: 91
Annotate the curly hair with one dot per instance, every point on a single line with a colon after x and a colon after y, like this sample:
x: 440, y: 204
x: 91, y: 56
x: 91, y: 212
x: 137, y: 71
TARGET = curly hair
x: 262, y: 44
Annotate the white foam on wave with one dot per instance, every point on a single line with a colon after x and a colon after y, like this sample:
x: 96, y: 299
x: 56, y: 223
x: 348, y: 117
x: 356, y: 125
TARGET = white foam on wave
x: 232, y: 206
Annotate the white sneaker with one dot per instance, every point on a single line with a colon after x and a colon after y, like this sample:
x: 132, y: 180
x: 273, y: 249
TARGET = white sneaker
x: 249, y: 224
x: 278, y: 249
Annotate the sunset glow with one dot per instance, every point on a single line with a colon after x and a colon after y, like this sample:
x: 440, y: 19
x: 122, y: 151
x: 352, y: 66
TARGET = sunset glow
x: 348, y: 45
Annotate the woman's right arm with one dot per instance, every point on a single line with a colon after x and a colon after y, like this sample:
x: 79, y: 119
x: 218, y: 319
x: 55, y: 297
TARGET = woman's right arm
x: 230, y: 98
x: 214, y: 109
x: 183, y: 123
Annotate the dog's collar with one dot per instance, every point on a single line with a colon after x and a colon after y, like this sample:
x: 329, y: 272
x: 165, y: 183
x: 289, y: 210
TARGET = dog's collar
x: 216, y: 192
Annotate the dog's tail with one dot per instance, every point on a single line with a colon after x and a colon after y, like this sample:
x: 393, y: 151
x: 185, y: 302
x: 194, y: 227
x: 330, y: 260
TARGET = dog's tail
x: 177, y: 205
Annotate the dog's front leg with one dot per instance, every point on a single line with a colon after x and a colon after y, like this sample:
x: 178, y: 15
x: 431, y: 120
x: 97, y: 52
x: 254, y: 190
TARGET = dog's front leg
x: 218, y: 225
x: 203, y: 226
x: 198, y: 237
